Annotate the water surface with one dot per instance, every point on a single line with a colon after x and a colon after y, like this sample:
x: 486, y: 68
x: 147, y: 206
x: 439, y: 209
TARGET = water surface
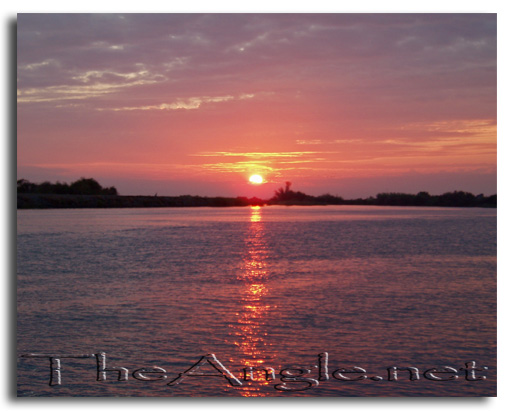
x: 373, y: 287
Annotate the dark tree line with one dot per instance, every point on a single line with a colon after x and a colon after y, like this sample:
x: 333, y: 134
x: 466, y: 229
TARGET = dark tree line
x: 31, y: 195
x: 84, y: 186
x: 288, y: 196
x: 451, y: 199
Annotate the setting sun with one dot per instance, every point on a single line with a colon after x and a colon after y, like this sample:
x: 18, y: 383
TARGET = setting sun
x: 256, y: 179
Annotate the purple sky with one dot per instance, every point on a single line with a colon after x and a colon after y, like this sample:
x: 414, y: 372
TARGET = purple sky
x: 351, y: 104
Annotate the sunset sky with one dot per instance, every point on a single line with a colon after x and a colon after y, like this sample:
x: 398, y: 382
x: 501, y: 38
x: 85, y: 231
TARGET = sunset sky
x: 347, y: 104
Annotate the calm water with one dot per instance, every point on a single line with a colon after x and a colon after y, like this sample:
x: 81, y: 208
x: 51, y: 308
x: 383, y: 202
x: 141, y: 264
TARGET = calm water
x: 373, y: 287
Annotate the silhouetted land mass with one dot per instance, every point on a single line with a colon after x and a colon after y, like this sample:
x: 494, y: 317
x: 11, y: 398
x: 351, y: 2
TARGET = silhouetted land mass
x: 83, y: 186
x: 285, y: 196
x: 109, y: 201
x: 87, y: 193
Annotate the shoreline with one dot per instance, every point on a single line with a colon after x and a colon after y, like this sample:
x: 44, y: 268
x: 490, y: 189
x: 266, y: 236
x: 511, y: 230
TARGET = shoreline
x: 56, y: 201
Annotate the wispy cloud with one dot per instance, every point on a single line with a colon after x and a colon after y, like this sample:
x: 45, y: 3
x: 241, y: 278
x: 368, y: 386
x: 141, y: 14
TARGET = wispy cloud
x: 475, y: 126
x: 37, y: 65
x: 258, y: 155
x: 191, y: 103
x: 264, y: 162
x: 88, y: 84
x: 320, y: 142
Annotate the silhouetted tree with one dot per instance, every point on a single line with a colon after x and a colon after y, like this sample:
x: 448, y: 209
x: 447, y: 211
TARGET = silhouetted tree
x: 25, y: 186
x: 86, y: 186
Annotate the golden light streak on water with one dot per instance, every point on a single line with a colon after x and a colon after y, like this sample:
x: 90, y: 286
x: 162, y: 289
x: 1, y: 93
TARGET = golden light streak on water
x: 250, y: 334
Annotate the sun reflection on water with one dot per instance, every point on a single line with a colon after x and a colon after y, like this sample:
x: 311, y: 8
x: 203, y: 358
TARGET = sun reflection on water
x: 249, y: 332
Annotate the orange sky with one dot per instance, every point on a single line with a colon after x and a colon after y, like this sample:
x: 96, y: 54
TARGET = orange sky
x: 194, y: 104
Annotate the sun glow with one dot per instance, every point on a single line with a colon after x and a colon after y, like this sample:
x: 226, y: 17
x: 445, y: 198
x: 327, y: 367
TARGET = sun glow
x: 256, y: 179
